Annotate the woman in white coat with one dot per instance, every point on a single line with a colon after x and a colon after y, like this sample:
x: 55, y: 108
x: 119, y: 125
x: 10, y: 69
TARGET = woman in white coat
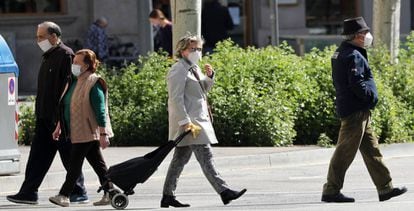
x: 187, y: 104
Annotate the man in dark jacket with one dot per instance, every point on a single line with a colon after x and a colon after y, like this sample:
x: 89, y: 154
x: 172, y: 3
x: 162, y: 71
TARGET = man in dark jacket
x: 356, y: 94
x: 215, y: 22
x: 55, y: 71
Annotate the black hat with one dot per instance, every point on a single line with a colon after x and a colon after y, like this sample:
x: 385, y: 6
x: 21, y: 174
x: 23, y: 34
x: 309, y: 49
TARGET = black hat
x: 354, y: 25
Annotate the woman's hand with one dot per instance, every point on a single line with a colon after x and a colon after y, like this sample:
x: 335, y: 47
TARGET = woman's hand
x: 186, y: 126
x: 195, y: 129
x: 209, y: 70
x: 56, y: 132
x: 103, y: 138
x: 104, y: 141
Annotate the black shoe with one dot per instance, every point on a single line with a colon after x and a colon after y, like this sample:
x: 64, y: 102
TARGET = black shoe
x: 228, y: 195
x: 23, y: 198
x: 394, y: 192
x: 167, y: 201
x: 341, y: 198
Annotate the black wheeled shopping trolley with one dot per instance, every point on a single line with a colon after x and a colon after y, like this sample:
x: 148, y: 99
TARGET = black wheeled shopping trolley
x: 128, y: 174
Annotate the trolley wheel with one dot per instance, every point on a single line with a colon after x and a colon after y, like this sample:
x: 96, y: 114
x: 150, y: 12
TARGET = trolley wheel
x: 119, y: 201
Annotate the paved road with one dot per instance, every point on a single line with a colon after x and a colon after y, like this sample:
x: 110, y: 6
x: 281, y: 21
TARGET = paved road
x: 277, y: 187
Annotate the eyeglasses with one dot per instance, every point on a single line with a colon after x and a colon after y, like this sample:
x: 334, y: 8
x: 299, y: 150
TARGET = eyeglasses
x: 195, y: 49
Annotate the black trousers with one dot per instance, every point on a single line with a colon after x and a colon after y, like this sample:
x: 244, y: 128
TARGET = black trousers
x: 92, y: 152
x: 42, y: 153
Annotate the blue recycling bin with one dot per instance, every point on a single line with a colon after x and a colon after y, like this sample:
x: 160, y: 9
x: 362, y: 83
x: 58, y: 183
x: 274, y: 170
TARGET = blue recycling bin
x: 9, y: 72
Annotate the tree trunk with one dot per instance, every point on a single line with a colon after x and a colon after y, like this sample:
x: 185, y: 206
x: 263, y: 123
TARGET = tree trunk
x: 186, y: 17
x: 386, y: 25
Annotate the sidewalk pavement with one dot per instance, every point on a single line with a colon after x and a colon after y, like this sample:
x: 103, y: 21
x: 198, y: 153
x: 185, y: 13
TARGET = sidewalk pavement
x: 226, y: 159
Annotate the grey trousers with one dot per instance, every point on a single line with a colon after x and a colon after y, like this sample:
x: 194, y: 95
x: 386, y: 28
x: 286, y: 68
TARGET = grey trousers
x: 204, y: 157
x: 356, y: 133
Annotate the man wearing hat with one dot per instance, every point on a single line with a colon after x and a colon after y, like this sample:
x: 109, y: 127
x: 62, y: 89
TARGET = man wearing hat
x: 356, y: 94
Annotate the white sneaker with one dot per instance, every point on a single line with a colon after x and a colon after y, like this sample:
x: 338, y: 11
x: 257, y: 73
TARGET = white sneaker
x: 104, y: 201
x: 60, y: 200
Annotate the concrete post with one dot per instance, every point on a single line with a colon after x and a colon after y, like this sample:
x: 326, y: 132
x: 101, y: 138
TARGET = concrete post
x: 186, y: 17
x: 274, y: 20
x: 146, y: 42
x: 386, y: 25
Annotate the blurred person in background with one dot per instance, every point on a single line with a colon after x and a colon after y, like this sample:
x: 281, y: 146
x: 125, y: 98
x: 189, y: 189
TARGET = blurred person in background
x: 163, y: 34
x: 97, y: 39
x: 215, y: 23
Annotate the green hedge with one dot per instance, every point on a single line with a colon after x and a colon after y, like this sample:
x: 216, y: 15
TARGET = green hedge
x: 138, y: 101
x: 262, y: 97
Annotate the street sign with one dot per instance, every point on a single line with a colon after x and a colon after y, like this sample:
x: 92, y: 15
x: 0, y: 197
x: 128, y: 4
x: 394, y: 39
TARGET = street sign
x: 11, y: 97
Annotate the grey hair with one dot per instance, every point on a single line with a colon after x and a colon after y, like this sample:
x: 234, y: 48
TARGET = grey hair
x: 102, y: 20
x: 51, y: 27
x: 185, y: 41
x: 350, y: 37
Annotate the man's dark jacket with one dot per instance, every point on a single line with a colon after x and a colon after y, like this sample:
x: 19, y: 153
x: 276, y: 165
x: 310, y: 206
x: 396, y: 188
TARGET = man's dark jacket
x: 354, y: 84
x: 216, y: 21
x: 55, y: 71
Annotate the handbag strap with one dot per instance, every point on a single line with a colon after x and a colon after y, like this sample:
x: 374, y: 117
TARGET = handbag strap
x: 194, y: 72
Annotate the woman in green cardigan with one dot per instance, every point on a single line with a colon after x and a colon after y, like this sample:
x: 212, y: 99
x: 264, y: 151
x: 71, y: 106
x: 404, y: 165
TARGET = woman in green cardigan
x: 86, y: 123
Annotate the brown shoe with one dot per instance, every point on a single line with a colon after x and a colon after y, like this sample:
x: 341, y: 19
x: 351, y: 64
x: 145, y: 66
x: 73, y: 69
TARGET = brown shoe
x: 60, y: 200
x: 105, y: 200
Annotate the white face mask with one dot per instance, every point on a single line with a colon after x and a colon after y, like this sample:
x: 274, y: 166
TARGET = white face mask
x: 76, y: 70
x: 194, y: 57
x: 368, y: 40
x: 45, y: 45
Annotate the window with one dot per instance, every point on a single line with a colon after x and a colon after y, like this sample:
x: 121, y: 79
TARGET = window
x: 326, y: 16
x: 31, y: 6
x: 236, y: 10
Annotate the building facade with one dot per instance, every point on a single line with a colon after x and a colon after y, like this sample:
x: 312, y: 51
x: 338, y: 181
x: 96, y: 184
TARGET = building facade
x: 303, y: 23
x: 127, y: 21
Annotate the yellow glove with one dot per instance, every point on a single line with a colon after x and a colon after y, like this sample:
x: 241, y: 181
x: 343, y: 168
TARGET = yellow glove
x: 195, y: 129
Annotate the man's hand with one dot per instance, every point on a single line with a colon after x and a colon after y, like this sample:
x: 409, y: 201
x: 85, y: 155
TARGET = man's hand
x: 56, y: 132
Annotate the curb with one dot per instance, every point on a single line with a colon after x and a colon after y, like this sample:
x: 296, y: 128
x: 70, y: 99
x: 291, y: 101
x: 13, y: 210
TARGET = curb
x: 53, y: 180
